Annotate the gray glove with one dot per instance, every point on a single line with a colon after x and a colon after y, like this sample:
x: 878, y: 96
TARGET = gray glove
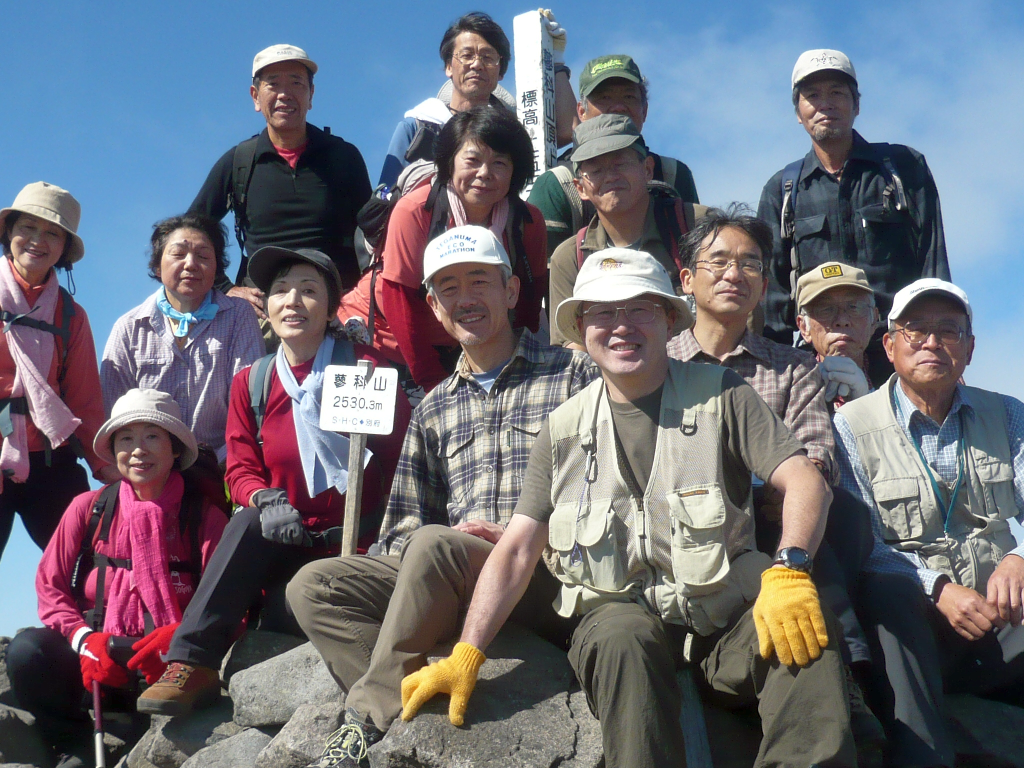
x: 280, y: 520
x: 843, y: 377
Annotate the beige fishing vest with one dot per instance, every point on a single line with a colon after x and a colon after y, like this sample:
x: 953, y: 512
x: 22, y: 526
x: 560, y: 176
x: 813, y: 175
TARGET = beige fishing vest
x: 977, y: 535
x: 684, y: 549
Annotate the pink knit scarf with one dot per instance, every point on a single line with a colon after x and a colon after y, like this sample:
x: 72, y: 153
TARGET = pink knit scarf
x: 499, y: 213
x: 142, y: 535
x: 32, y: 351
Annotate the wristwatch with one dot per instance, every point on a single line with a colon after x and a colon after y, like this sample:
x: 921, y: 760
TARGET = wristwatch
x: 794, y: 558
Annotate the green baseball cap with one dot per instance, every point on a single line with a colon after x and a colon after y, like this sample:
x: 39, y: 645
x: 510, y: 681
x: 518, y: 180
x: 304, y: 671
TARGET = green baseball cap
x: 604, y: 67
x: 602, y: 134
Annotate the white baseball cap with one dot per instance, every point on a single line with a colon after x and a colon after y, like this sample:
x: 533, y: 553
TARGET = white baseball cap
x: 460, y: 245
x: 281, y: 52
x: 619, y: 274
x: 927, y: 285
x: 820, y: 60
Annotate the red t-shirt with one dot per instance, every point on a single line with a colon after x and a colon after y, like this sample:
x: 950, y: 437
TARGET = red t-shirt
x: 291, y: 156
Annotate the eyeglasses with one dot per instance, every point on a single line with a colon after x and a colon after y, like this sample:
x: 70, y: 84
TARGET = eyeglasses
x: 637, y: 313
x: 487, y: 58
x: 916, y: 332
x: 827, y: 313
x: 620, y: 167
x: 718, y: 267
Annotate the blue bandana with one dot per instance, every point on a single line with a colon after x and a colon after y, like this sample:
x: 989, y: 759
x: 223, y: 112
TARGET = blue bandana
x: 207, y: 311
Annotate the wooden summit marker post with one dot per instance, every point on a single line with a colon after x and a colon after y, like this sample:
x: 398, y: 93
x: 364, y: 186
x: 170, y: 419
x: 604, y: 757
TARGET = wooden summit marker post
x: 535, y: 89
x: 360, y: 400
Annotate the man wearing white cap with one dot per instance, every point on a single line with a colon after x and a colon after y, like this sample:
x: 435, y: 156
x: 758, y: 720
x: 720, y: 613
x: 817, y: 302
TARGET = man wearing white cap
x: 640, y: 484
x: 293, y: 185
x: 458, y: 479
x: 942, y: 466
x: 869, y: 205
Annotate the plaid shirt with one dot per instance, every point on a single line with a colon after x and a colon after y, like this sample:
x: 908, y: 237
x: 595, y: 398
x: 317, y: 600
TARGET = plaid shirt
x: 939, y: 448
x: 466, y: 450
x: 787, y: 379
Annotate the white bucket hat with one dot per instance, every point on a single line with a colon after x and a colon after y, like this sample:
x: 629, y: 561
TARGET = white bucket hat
x: 55, y: 205
x: 619, y: 274
x: 927, y: 285
x: 151, y: 407
x: 460, y: 245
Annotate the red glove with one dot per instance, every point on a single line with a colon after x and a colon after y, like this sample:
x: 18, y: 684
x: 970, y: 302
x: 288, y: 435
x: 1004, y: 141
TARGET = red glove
x: 97, y: 664
x: 149, y: 650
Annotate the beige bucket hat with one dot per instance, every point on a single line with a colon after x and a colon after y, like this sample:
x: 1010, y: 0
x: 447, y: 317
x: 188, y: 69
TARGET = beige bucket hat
x: 151, y: 407
x: 55, y: 205
x: 619, y: 274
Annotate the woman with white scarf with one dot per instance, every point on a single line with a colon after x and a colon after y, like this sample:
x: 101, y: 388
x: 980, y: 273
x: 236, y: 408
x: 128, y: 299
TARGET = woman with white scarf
x: 288, y: 476
x: 50, y: 405
x: 162, y: 530
x: 187, y: 339
x: 484, y: 159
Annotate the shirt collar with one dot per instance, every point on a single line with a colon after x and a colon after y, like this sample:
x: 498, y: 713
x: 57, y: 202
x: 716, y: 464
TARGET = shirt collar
x: 315, y: 138
x: 861, y: 150
x: 686, y: 347
x: 907, y: 411
x: 527, y: 348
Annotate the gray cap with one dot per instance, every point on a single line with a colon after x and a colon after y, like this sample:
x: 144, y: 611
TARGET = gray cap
x: 267, y: 260
x: 603, y: 134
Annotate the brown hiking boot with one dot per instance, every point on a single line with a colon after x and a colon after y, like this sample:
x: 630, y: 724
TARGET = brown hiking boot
x: 181, y: 689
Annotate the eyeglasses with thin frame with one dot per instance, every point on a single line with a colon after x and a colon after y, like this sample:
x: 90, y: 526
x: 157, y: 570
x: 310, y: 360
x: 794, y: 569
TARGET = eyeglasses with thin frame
x: 619, y: 167
x: 637, y: 313
x: 826, y: 314
x: 718, y: 267
x: 487, y: 58
x: 916, y: 332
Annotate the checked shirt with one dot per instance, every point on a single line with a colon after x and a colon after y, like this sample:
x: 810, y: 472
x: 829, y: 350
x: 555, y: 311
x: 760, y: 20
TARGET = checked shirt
x: 466, y: 450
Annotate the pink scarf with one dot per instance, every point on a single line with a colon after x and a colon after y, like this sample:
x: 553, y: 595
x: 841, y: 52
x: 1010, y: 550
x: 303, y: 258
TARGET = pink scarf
x: 145, y: 527
x: 499, y: 213
x: 32, y: 351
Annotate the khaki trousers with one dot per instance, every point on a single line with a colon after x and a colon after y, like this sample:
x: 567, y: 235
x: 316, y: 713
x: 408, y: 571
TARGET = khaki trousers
x: 375, y: 619
x: 626, y: 658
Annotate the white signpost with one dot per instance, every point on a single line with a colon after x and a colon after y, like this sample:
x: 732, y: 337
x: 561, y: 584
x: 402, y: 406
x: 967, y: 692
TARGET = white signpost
x: 360, y: 400
x: 535, y: 89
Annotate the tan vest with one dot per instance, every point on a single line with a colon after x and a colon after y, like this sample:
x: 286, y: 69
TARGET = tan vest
x: 684, y: 548
x: 969, y: 546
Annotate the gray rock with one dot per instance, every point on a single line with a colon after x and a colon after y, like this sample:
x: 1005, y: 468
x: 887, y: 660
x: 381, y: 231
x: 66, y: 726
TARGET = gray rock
x: 301, y: 741
x: 19, y: 741
x: 17, y: 765
x: 987, y: 728
x: 270, y: 692
x: 239, y: 751
x: 254, y: 647
x: 6, y: 694
x: 170, y: 741
x: 519, y: 716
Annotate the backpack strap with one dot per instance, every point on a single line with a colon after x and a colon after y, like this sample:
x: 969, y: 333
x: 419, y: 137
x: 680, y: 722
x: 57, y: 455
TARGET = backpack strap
x: 580, y: 255
x: 563, y: 175
x: 669, y: 170
x: 894, y: 189
x: 787, y: 224
x: 103, y: 509
x: 242, y: 165
x: 670, y: 220
x: 259, y: 390
x: 437, y: 204
x: 343, y: 353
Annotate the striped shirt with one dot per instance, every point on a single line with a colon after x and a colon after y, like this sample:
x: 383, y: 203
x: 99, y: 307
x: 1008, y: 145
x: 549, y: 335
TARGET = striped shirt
x: 938, y: 444
x: 141, y: 352
x: 466, y: 450
x: 787, y: 379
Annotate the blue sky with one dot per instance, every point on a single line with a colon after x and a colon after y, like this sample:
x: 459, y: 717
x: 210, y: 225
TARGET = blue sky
x: 128, y: 105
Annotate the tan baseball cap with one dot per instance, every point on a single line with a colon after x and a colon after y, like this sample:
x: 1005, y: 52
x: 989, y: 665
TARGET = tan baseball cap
x: 281, y: 52
x: 825, y: 277
x: 820, y: 60
x: 55, y: 205
x: 619, y: 274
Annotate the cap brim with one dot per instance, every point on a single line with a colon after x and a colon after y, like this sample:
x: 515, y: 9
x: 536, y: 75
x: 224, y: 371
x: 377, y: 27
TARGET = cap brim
x: 265, y: 263
x: 566, y: 312
x: 816, y: 292
x: 603, y: 146
x: 176, y: 427
x: 931, y: 292
x: 621, y: 73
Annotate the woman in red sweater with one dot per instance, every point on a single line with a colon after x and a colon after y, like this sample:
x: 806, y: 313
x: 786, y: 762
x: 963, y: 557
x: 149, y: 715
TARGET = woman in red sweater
x: 288, y: 476
x: 484, y: 159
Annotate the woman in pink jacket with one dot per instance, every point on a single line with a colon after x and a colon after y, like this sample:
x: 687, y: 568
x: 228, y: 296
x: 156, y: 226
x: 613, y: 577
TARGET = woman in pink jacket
x: 123, y: 563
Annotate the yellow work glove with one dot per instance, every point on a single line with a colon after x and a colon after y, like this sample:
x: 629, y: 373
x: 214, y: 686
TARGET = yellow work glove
x: 787, y: 616
x: 455, y: 676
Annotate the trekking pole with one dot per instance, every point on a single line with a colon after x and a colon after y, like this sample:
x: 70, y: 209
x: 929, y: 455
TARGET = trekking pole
x: 97, y: 711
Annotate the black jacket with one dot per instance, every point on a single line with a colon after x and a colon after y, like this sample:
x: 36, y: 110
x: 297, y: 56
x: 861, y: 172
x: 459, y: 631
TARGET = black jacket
x: 312, y: 206
x: 849, y: 221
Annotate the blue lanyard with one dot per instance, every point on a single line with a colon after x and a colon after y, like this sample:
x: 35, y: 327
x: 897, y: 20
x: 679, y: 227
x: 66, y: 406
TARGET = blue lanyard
x: 961, y: 467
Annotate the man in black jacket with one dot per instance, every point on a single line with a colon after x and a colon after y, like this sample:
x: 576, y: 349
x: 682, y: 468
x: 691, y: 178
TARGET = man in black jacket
x: 869, y: 205
x: 293, y: 185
